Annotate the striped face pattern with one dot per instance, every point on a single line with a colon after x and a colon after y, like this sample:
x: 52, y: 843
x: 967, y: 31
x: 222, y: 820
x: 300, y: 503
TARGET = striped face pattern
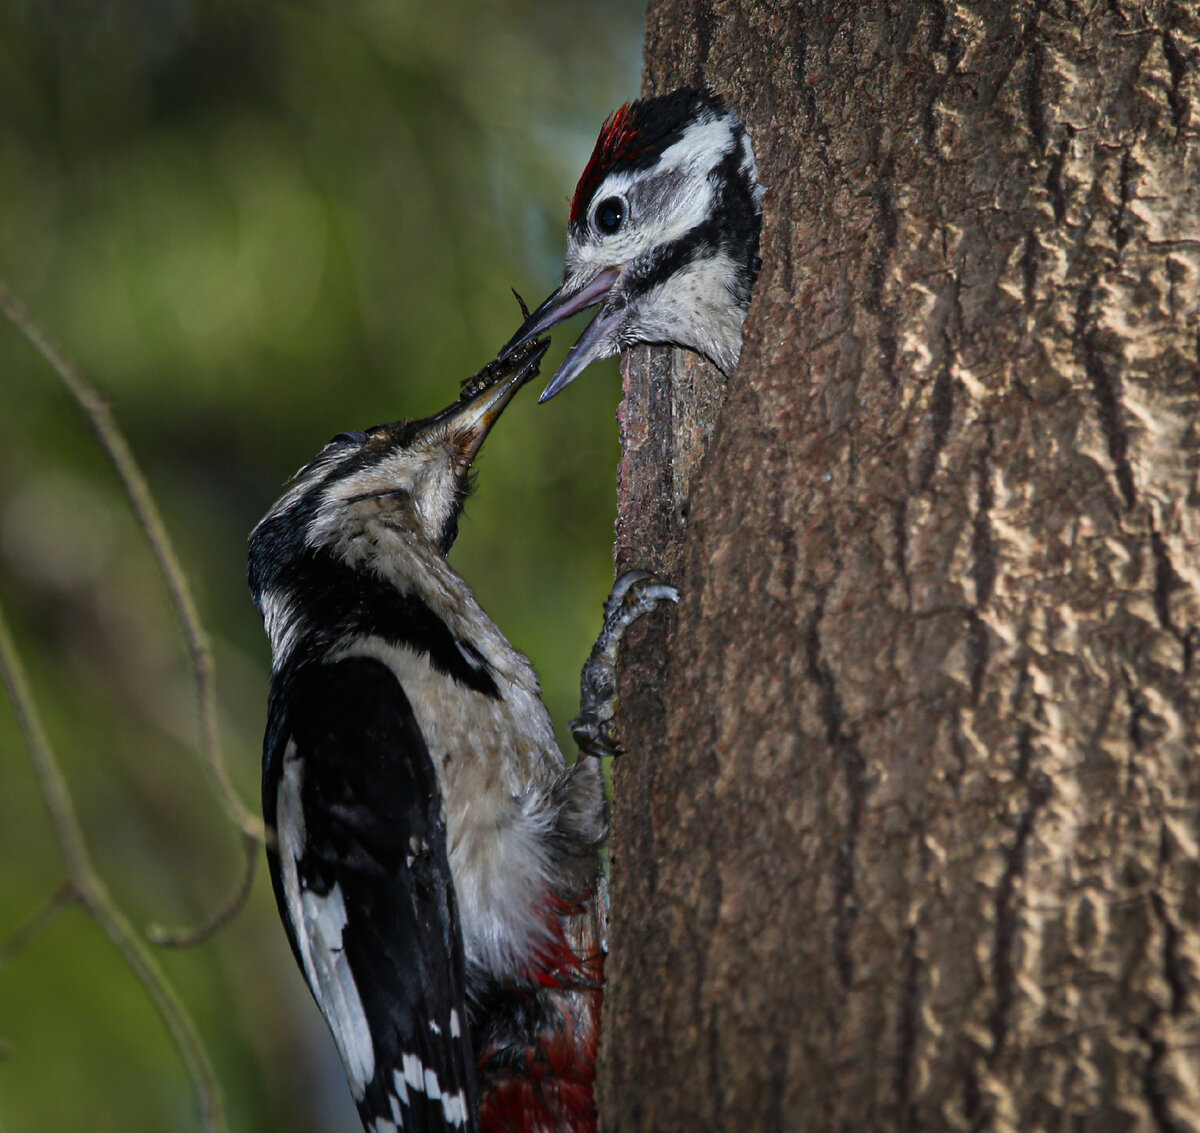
x: 662, y: 235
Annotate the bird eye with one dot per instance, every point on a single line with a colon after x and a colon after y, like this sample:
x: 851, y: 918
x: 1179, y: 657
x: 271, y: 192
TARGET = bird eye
x: 610, y: 215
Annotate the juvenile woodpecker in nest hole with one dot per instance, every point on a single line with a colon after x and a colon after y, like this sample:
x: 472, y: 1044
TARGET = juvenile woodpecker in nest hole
x: 663, y: 234
x: 435, y: 860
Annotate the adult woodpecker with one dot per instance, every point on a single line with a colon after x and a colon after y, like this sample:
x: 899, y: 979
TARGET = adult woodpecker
x: 435, y: 860
x: 663, y: 234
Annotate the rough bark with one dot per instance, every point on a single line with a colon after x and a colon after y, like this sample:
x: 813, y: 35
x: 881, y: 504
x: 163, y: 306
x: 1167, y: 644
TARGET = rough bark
x: 909, y: 834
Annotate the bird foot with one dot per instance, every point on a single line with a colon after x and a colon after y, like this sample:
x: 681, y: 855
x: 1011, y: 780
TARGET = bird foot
x: 635, y: 593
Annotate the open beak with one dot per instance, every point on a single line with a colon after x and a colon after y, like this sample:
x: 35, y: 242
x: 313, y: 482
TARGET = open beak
x: 485, y: 395
x: 562, y: 304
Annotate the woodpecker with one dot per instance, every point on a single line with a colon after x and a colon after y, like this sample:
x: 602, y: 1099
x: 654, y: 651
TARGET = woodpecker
x: 435, y: 860
x: 663, y: 234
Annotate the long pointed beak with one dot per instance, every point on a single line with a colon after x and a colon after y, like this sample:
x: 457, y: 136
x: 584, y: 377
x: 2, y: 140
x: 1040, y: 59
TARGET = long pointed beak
x: 485, y: 396
x: 562, y: 304
x: 585, y: 351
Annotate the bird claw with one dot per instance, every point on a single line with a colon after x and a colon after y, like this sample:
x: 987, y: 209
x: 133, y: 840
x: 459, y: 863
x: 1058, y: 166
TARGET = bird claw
x: 635, y: 593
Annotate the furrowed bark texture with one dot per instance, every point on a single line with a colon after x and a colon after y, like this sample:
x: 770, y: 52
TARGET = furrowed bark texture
x: 909, y: 834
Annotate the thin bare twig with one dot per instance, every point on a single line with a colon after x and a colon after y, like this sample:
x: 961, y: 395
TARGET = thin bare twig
x: 112, y: 440
x: 38, y: 923
x: 189, y: 937
x: 91, y: 891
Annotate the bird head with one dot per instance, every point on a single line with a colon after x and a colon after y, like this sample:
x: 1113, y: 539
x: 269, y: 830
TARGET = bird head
x: 663, y: 235
x: 391, y: 487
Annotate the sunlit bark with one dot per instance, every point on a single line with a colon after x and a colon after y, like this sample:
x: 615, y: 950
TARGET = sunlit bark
x: 908, y: 833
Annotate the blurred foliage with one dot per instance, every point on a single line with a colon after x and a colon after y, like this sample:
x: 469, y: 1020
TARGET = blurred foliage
x: 253, y: 226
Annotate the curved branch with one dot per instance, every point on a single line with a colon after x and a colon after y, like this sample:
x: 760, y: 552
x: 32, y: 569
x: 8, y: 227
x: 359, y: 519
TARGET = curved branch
x: 189, y: 937
x: 112, y: 440
x: 62, y: 897
x: 86, y: 884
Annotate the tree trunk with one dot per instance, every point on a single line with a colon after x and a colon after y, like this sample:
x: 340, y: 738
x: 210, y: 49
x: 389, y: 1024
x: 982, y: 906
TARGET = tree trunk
x: 909, y: 832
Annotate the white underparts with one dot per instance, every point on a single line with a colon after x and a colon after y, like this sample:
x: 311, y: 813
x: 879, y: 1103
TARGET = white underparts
x: 693, y: 308
x: 497, y: 763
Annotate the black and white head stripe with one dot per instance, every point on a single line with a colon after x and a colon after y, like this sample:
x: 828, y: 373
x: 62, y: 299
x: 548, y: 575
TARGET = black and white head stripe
x: 361, y: 870
x: 695, y: 183
x: 715, y: 216
x: 308, y: 555
x: 663, y: 235
x: 359, y: 604
x: 409, y: 476
x: 637, y: 135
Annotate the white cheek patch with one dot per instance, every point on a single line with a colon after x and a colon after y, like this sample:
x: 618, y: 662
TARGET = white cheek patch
x: 437, y: 498
x: 397, y: 471
x: 665, y: 202
x: 425, y: 489
x: 695, y: 296
x: 650, y: 225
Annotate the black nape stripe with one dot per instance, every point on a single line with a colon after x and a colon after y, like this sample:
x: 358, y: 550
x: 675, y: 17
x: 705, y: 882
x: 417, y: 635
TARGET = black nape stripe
x: 340, y: 603
x: 732, y: 227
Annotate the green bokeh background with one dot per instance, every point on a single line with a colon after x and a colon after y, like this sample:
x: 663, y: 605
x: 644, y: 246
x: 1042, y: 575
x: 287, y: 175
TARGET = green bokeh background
x: 253, y: 226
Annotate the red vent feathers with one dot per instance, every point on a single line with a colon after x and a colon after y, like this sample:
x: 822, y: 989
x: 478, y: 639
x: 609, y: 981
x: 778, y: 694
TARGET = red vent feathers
x: 618, y: 141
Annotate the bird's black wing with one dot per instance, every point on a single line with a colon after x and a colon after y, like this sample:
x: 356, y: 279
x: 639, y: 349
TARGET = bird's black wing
x: 362, y: 878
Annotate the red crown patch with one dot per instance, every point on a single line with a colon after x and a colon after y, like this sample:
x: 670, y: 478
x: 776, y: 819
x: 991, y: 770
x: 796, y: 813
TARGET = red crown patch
x: 619, y: 140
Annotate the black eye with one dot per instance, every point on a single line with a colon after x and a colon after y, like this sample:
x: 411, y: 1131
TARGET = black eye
x: 610, y: 214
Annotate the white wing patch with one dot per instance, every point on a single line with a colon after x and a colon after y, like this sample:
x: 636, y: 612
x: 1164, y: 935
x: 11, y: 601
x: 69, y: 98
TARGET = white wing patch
x: 325, y: 917
x: 414, y: 1074
x: 318, y: 921
x: 455, y: 1108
